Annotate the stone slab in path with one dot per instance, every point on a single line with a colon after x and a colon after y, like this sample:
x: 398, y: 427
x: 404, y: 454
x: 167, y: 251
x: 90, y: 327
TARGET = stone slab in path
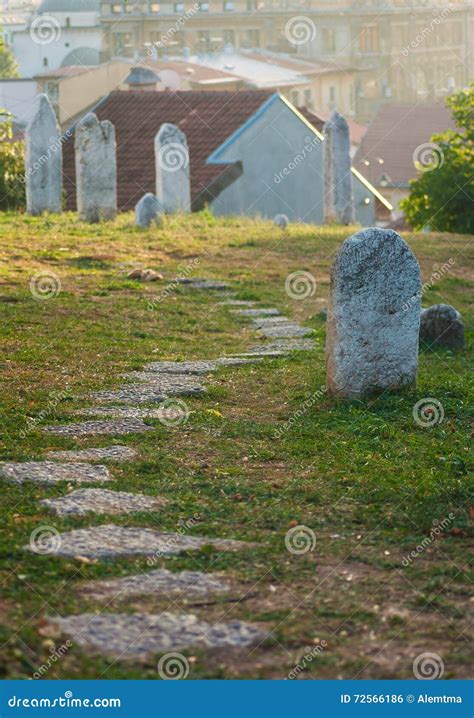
x: 114, y: 541
x: 129, y: 636
x: 237, y: 303
x: 120, y: 412
x: 200, y: 283
x: 99, y: 428
x: 167, y: 383
x: 49, y: 472
x: 111, y: 453
x: 203, y: 366
x: 281, y: 345
x: 160, y: 581
x: 270, y: 321
x: 102, y: 501
x: 263, y: 312
x: 284, y: 331
x: 144, y: 394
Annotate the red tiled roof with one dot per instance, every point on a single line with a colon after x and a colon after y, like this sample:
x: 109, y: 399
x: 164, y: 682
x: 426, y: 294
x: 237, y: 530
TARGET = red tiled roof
x: 394, y: 135
x: 207, y: 119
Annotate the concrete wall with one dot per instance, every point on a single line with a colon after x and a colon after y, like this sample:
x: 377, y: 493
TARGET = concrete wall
x: 282, y: 169
x: 364, y: 203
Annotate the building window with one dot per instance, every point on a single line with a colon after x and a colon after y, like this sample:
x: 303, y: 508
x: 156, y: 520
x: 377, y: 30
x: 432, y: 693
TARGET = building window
x: 369, y: 39
x: 179, y: 7
x: 203, y: 7
x: 68, y: 22
x: 308, y: 98
x: 294, y: 97
x: 332, y: 95
x: 228, y: 6
x: 155, y: 7
x: 204, y: 39
x: 229, y: 37
x: 45, y: 62
x: 250, y: 39
x: 117, y: 8
x: 329, y: 39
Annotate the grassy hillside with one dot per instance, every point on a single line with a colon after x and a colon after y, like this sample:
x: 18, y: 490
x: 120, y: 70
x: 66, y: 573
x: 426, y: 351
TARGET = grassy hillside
x: 365, y: 478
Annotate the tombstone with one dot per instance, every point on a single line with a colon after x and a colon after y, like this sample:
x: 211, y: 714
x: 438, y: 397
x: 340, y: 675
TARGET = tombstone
x: 338, y: 191
x: 96, y: 169
x: 442, y: 326
x: 147, y: 210
x: 173, y: 187
x: 43, y: 160
x: 281, y: 221
x: 374, y: 315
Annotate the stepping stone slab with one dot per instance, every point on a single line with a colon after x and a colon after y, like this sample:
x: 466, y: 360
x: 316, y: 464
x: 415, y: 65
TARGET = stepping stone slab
x: 128, y: 636
x: 282, y: 345
x: 285, y: 331
x: 112, y: 453
x: 49, y: 472
x: 198, y: 283
x: 270, y: 321
x: 167, y: 382
x: 116, y: 541
x: 259, y: 312
x: 118, y: 412
x: 160, y: 581
x: 204, y: 366
x: 126, y: 426
x: 102, y: 501
x: 144, y: 394
x: 237, y: 303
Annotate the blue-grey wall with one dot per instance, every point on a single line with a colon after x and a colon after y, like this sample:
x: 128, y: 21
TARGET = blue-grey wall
x: 282, y: 168
x: 364, y: 212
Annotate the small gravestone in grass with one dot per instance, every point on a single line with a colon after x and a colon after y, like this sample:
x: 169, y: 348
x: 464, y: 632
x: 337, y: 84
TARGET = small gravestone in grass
x: 43, y: 160
x: 442, y: 326
x: 148, y: 211
x: 173, y: 187
x: 374, y: 315
x: 96, y: 169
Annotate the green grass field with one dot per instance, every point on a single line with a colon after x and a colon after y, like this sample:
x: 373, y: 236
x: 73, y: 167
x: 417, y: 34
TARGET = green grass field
x: 365, y: 478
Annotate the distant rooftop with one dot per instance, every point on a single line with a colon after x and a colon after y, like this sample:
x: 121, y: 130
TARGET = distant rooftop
x: 68, y: 71
x: 48, y: 6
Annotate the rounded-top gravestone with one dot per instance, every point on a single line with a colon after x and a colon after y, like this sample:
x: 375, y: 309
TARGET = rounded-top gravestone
x: 442, y: 326
x: 96, y: 169
x: 374, y: 315
x: 147, y: 210
x: 43, y: 160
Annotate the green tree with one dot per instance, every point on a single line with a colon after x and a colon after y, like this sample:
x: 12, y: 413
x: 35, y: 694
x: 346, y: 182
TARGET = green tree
x: 8, y: 64
x: 12, y: 178
x: 443, y: 196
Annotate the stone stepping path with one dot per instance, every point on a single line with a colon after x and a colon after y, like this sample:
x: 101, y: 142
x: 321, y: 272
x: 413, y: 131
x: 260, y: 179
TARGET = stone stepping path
x: 271, y: 321
x: 161, y: 581
x: 200, y: 283
x: 118, y: 541
x: 120, y: 412
x: 237, y: 303
x: 264, y: 312
x: 141, y: 634
x: 285, y: 331
x: 105, y: 428
x: 168, y: 383
x: 203, y: 366
x: 102, y: 501
x: 280, y: 346
x: 143, y: 394
x: 112, y: 453
x: 49, y: 472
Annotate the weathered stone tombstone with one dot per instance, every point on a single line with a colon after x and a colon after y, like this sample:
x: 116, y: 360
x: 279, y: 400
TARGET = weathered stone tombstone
x: 43, y: 160
x: 442, y: 326
x: 281, y: 221
x: 338, y: 190
x: 372, y: 328
x: 173, y: 187
x: 96, y: 169
x: 147, y: 210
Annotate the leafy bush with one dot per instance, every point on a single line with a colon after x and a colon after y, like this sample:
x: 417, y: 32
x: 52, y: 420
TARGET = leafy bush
x: 12, y: 180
